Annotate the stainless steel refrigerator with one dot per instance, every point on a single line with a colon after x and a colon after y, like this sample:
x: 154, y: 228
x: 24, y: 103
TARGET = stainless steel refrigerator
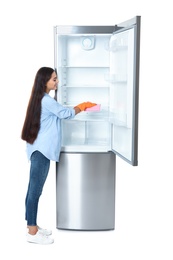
x: 98, y: 64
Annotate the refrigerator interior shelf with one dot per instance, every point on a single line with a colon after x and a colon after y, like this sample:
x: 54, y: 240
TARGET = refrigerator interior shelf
x: 85, y: 86
x: 96, y: 148
x: 110, y: 120
x: 88, y: 118
x: 84, y: 66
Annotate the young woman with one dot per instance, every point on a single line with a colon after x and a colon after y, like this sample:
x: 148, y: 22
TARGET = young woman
x: 42, y: 133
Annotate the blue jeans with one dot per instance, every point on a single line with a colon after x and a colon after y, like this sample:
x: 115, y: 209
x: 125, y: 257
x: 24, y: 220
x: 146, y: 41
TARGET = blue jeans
x: 38, y: 173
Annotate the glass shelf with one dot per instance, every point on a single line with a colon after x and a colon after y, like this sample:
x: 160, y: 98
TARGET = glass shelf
x: 84, y: 86
x: 84, y: 66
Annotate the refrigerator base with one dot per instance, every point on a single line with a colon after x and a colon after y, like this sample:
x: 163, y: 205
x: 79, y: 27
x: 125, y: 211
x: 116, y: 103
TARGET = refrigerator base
x: 85, y: 191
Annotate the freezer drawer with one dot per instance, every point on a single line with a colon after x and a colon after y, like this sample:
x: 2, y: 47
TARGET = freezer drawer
x: 85, y: 191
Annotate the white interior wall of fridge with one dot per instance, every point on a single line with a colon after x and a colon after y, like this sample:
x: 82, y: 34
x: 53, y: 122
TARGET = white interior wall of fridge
x: 83, y: 75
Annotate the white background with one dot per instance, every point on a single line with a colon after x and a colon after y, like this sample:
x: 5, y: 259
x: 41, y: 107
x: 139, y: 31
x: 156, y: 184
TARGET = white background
x: 144, y: 194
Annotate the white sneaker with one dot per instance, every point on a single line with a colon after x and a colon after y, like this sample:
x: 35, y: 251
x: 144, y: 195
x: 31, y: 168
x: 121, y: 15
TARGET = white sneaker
x: 46, y: 232
x: 39, y: 239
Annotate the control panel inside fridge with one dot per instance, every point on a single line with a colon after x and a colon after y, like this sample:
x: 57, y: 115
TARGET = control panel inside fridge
x: 100, y: 68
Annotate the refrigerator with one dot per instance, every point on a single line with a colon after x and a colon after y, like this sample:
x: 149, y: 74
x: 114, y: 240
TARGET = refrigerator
x: 99, y: 64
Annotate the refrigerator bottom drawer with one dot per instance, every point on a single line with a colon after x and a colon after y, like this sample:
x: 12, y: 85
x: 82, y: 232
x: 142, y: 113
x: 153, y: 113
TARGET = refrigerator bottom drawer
x: 85, y: 191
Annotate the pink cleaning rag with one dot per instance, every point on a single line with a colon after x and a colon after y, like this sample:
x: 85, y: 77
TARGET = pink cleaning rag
x: 94, y: 108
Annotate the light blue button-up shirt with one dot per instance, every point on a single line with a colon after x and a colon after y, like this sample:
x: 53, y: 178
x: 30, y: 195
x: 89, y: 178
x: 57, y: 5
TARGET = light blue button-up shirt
x: 48, y: 141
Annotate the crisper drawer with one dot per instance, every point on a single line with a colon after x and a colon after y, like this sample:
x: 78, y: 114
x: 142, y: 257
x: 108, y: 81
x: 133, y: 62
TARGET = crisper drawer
x: 85, y: 135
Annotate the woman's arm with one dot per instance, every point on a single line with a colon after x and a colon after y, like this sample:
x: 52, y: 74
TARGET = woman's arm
x: 77, y: 110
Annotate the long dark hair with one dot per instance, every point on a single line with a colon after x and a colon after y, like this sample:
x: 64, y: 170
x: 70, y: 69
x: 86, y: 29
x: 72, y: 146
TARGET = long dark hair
x: 31, y: 124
